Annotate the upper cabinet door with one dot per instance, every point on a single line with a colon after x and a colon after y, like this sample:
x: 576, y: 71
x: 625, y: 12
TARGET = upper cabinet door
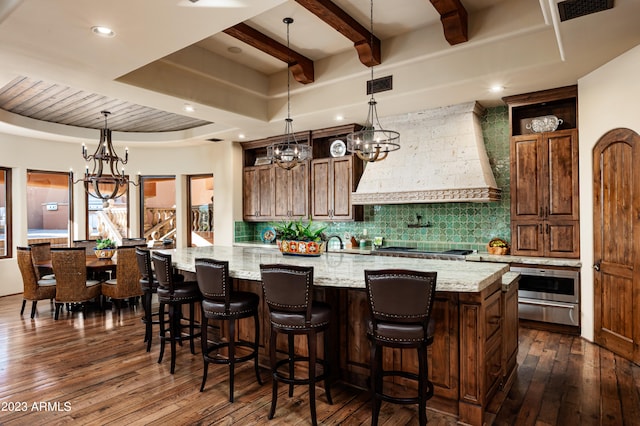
x: 561, y: 169
x: 526, y: 175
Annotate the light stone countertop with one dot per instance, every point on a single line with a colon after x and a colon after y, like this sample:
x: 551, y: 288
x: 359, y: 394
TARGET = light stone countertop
x: 341, y: 269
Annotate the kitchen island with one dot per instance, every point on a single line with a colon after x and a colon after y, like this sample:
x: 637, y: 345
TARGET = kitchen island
x: 466, y: 362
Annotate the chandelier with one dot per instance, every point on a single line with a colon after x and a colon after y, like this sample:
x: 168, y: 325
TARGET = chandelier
x: 104, y: 181
x: 373, y: 143
x: 288, y: 152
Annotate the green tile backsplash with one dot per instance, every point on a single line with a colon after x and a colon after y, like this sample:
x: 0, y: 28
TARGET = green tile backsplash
x: 453, y: 225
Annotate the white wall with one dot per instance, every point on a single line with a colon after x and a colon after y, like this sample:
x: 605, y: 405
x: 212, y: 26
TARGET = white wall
x: 21, y: 153
x: 607, y: 99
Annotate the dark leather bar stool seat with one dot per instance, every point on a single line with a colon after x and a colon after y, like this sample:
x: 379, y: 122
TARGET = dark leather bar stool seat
x: 400, y: 304
x: 220, y: 302
x: 288, y: 292
x: 174, y: 294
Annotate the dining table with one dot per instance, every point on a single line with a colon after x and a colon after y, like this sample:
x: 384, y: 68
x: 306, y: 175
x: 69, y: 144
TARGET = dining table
x: 94, y: 265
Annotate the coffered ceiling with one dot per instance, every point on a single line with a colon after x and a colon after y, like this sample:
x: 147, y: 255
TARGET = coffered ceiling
x: 167, y: 54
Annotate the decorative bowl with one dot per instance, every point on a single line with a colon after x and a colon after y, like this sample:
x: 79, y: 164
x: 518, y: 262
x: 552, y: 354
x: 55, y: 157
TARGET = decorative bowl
x: 301, y: 248
x: 546, y: 123
x: 104, y: 253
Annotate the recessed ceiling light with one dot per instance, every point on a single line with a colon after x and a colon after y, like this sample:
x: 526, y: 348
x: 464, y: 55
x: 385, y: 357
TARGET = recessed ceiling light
x: 241, y: 136
x: 189, y: 108
x: 234, y: 49
x: 497, y: 88
x: 339, y: 117
x: 103, y: 31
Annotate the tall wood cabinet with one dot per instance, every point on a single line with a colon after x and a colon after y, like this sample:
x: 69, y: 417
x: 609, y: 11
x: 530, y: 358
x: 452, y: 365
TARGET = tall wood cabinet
x: 544, y: 175
x: 332, y: 182
x: 320, y: 189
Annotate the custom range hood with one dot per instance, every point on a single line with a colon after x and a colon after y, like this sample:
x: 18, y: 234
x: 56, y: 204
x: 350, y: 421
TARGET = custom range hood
x: 442, y: 159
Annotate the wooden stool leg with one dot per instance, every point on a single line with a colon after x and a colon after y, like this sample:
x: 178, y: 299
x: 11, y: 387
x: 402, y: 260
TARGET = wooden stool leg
x: 232, y: 355
x: 205, y: 349
x: 422, y: 386
x: 272, y: 356
x: 291, y: 351
x: 376, y: 382
x: 327, y: 368
x: 311, y: 345
x: 162, y: 331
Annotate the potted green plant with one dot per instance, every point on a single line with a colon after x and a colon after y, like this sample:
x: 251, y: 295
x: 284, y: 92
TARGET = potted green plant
x: 300, y: 238
x: 105, y: 248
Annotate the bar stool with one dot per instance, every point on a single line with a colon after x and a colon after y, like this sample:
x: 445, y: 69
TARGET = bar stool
x: 400, y: 303
x: 219, y: 302
x: 288, y: 290
x: 149, y: 285
x: 174, y: 294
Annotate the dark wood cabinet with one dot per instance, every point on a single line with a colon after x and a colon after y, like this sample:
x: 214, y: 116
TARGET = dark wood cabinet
x: 320, y: 188
x: 258, y: 193
x: 291, y: 189
x: 332, y: 182
x: 544, y: 178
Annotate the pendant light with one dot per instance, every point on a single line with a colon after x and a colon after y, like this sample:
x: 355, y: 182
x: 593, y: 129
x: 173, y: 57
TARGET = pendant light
x: 105, y: 181
x: 288, y: 153
x: 373, y: 143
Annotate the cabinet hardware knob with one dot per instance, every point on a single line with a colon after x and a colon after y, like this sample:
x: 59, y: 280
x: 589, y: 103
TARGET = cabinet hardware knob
x: 596, y: 266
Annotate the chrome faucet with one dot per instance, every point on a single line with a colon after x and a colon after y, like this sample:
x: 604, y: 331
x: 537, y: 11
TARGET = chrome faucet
x: 339, y: 239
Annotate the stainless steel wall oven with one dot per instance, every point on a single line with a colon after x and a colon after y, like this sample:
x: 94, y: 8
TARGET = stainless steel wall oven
x: 549, y: 295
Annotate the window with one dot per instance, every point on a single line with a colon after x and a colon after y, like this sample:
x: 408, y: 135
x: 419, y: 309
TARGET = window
x: 48, y: 210
x: 200, y: 201
x: 5, y: 212
x: 158, y: 209
x: 110, y: 220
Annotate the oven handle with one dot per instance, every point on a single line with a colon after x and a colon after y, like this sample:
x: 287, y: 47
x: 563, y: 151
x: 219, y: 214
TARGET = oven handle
x: 550, y: 304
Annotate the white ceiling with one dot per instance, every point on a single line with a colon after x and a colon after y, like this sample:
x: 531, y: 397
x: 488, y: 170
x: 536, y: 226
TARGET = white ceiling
x: 168, y: 53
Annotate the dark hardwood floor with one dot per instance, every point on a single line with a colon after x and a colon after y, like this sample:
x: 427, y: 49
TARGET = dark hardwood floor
x: 95, y: 371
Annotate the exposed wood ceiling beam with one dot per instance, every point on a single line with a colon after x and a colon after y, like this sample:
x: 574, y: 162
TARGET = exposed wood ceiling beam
x: 301, y: 67
x: 366, y: 44
x: 454, y: 20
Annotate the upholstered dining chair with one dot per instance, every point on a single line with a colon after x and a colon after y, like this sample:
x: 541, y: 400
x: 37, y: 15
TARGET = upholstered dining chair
x: 221, y: 302
x: 41, y: 252
x: 288, y: 292
x: 34, y: 288
x: 173, y: 294
x: 400, y: 303
x: 72, y: 285
x: 126, y: 285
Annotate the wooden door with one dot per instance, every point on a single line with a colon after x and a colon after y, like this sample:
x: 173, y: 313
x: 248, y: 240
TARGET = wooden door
x: 616, y: 239
x: 250, y: 193
x: 320, y: 189
x: 299, y: 184
x: 561, y: 193
x: 282, y: 192
x: 342, y: 174
x: 526, y: 174
x: 266, y: 194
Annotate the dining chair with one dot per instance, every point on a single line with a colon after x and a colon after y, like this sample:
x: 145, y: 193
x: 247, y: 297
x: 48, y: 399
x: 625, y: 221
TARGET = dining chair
x: 400, y: 303
x: 288, y: 292
x: 126, y: 285
x: 72, y: 285
x: 41, y: 252
x: 34, y: 288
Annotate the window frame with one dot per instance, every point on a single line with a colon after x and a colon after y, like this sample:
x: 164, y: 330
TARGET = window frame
x: 8, y: 223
